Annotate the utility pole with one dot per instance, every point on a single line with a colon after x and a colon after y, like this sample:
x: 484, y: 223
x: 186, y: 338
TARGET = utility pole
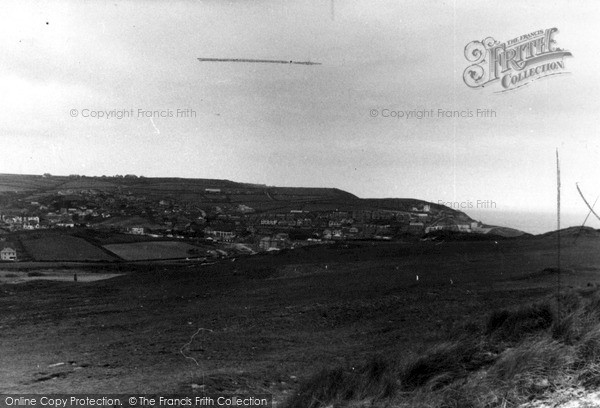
x: 558, y: 231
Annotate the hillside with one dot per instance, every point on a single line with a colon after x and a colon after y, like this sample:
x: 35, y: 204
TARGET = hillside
x: 573, y: 232
x: 196, y: 208
x: 210, y: 191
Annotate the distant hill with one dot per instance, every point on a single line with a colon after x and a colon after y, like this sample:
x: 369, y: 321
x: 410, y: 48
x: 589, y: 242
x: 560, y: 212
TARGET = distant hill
x: 506, y: 232
x: 216, y: 193
x: 573, y: 232
x: 212, y: 191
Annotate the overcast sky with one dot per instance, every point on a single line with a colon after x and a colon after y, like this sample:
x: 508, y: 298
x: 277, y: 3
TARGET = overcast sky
x: 301, y: 125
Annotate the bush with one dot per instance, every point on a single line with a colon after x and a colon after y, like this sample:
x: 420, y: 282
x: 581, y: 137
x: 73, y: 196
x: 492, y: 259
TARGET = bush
x: 573, y: 327
x: 593, y: 305
x: 588, y: 358
x: 325, y: 387
x: 589, y: 348
x: 570, y: 301
x: 442, y: 364
x: 515, y: 325
x: 579, y: 312
x: 375, y: 380
x: 530, y: 362
x: 496, y: 320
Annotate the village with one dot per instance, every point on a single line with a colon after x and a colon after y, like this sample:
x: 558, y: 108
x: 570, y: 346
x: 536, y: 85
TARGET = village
x: 220, y: 219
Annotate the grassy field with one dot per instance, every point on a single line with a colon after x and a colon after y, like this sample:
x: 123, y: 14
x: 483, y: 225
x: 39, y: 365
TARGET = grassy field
x: 62, y: 247
x: 139, y: 251
x: 272, y: 322
x: 103, y: 237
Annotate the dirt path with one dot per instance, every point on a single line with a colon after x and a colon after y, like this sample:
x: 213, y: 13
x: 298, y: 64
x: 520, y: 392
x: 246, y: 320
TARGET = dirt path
x: 14, y: 277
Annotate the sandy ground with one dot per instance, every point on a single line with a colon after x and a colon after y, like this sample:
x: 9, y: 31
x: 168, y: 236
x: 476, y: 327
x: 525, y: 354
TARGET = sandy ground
x: 13, y: 277
x: 578, y: 398
x: 587, y: 401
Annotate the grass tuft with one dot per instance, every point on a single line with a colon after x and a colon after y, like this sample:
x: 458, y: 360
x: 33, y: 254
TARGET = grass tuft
x: 533, y: 366
x: 588, y: 358
x: 515, y: 325
x: 375, y: 381
x: 439, y: 366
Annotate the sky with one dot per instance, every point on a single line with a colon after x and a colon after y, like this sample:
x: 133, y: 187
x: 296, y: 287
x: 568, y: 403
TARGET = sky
x: 62, y: 62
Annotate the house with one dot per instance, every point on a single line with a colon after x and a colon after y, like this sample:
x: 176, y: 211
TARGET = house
x: 447, y: 224
x: 432, y: 228
x: 337, y: 234
x: 352, y: 231
x: 245, y: 209
x: 221, y: 232
x: 137, y: 230
x: 277, y: 241
x: 463, y: 227
x: 268, y: 243
x: 303, y: 222
x: 383, y: 237
x: 8, y: 254
x: 416, y: 227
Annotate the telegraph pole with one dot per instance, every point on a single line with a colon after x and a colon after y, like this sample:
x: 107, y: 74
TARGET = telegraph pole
x: 558, y: 231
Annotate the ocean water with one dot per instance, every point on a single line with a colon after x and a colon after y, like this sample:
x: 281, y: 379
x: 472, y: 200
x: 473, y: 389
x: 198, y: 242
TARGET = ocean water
x: 532, y: 222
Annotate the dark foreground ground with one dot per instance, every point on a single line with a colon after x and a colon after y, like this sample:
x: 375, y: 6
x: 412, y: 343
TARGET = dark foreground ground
x: 267, y: 322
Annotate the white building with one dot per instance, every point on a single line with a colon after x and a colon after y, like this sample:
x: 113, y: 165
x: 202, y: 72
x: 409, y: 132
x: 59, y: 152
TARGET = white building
x: 8, y: 254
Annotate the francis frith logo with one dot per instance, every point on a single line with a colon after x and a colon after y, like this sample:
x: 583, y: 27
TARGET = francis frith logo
x: 514, y: 63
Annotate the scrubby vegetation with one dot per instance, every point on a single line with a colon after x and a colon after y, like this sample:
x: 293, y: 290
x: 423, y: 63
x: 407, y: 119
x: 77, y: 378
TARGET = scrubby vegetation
x: 516, y: 355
